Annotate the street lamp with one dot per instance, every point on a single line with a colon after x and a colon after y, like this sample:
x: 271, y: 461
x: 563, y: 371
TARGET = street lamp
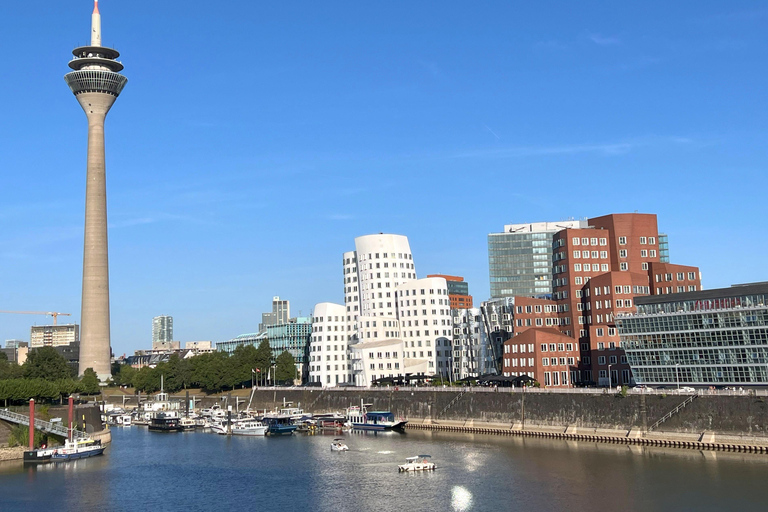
x: 253, y: 372
x: 610, y: 381
x: 677, y: 375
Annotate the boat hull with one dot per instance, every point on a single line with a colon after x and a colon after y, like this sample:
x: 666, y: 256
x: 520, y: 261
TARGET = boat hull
x: 378, y: 427
x: 60, y: 457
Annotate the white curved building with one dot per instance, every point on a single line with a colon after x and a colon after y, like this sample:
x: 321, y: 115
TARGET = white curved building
x: 393, y: 322
x: 329, y: 362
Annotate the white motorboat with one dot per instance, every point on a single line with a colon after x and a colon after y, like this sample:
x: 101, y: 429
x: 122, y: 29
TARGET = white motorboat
x: 187, y: 423
x: 338, y: 446
x: 248, y: 428
x: 417, y: 463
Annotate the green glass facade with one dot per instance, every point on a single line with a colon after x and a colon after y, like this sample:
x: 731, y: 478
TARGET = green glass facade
x: 520, y: 264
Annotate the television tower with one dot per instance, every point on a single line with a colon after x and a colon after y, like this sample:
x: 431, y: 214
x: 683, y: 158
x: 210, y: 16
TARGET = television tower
x: 96, y: 82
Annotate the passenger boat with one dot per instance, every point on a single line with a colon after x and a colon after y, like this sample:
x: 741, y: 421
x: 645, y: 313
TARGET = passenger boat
x: 80, y: 449
x: 338, y: 446
x: 249, y: 428
x: 417, y: 463
x: 278, y: 425
x: 187, y: 423
x: 165, y: 422
x: 362, y: 419
x: 39, y: 455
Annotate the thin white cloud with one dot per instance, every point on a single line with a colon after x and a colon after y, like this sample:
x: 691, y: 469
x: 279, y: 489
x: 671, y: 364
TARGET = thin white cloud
x: 603, y: 40
x: 340, y: 216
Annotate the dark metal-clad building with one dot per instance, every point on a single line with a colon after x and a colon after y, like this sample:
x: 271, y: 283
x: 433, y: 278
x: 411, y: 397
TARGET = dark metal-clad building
x: 705, y: 338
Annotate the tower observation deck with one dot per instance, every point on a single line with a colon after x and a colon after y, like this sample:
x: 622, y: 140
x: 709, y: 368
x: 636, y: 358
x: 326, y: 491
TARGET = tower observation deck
x: 96, y: 81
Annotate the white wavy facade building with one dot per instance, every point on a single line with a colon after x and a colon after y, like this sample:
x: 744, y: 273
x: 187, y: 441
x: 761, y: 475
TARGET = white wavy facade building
x: 392, y: 323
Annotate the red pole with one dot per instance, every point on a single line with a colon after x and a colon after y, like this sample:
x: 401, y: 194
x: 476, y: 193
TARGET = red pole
x: 71, y: 416
x: 31, y: 424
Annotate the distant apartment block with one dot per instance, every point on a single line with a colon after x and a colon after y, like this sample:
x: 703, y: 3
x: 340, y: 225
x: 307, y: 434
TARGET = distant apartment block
x: 520, y: 258
x: 458, y: 291
x: 54, y: 335
x: 281, y: 312
x: 162, y: 329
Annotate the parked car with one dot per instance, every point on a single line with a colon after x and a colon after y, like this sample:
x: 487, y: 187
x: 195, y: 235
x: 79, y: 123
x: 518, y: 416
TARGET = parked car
x: 686, y: 389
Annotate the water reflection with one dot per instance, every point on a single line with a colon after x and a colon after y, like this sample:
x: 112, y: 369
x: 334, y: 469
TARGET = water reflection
x: 474, y: 473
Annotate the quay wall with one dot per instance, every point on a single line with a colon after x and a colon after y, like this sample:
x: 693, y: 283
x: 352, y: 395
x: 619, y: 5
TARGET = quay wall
x: 723, y: 415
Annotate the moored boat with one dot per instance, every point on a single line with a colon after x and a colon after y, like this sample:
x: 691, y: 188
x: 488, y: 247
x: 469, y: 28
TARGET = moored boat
x: 80, y: 449
x: 278, y: 425
x: 362, y: 419
x: 165, y: 422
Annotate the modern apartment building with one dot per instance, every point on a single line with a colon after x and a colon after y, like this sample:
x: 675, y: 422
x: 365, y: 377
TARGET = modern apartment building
x: 699, y: 338
x: 329, y: 356
x: 391, y: 323
x: 520, y: 258
x: 162, y: 329
x: 54, y: 335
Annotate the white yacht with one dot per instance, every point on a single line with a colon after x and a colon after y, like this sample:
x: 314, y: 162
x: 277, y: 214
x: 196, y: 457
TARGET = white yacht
x: 338, y: 446
x: 417, y: 463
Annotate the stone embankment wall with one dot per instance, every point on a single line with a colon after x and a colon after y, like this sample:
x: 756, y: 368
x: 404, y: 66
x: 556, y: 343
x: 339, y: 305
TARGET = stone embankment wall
x: 725, y: 415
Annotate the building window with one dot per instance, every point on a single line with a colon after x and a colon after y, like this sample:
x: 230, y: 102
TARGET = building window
x: 601, y: 360
x: 622, y: 240
x: 624, y: 265
x: 642, y: 240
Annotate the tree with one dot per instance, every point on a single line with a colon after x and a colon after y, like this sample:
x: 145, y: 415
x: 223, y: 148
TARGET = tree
x: 263, y: 358
x: 47, y: 364
x: 285, y: 367
x: 90, y: 382
x: 9, y: 370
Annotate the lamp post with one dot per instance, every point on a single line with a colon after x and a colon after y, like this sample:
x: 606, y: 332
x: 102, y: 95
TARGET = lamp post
x: 253, y: 372
x: 610, y: 380
x: 677, y: 375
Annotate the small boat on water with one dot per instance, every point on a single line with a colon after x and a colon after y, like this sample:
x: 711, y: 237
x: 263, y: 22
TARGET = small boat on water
x: 249, y: 428
x: 279, y: 425
x: 338, y: 446
x: 165, y: 422
x: 187, y: 423
x: 80, y: 449
x: 363, y: 419
x: 417, y: 463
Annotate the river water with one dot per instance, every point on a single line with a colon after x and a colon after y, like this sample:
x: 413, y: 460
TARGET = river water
x: 147, y: 471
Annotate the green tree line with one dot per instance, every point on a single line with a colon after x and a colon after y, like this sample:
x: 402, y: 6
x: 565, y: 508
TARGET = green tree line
x: 45, y: 375
x: 213, y: 372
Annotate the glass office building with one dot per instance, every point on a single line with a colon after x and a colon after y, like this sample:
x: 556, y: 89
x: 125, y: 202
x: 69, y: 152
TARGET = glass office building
x: 706, y: 338
x: 520, y: 258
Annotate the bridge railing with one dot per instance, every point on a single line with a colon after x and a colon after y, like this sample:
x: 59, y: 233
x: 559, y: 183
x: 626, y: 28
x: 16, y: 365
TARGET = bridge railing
x: 46, y: 426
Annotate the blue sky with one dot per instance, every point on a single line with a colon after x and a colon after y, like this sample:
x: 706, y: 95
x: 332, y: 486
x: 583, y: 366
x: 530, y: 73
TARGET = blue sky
x: 255, y: 140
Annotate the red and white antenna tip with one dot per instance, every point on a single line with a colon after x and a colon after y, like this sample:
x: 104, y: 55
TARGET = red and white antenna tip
x: 95, y: 6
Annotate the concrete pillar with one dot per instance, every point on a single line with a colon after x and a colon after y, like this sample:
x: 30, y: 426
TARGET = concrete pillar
x: 95, y: 349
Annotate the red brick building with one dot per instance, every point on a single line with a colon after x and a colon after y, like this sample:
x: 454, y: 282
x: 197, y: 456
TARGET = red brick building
x: 597, y: 272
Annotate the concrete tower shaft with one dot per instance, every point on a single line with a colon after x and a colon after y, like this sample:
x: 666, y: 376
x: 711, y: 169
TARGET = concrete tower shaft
x: 96, y: 83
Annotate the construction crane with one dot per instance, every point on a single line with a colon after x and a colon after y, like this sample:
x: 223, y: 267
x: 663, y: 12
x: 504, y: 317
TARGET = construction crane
x: 49, y: 313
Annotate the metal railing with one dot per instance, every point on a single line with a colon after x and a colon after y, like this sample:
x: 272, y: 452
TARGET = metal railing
x: 673, y: 411
x: 46, y: 426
